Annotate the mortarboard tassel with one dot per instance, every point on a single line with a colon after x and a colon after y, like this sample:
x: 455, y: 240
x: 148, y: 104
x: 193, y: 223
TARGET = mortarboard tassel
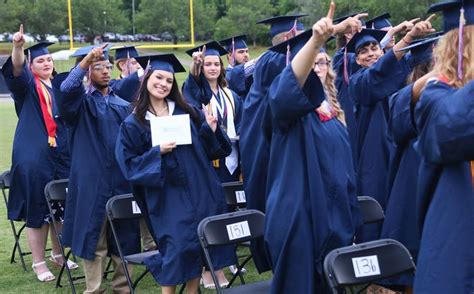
x: 89, y: 82
x: 345, y: 72
x: 462, y: 22
x: 233, y: 53
x: 128, y: 63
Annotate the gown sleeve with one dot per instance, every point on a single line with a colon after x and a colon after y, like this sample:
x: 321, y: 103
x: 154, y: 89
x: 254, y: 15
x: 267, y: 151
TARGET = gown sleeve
x: 401, y: 124
x: 72, y: 96
x: 197, y: 91
x: 18, y: 86
x: 373, y: 84
x: 216, y: 144
x: 235, y: 76
x: 444, y: 119
x: 126, y: 88
x: 288, y: 101
x: 138, y: 167
x: 238, y: 112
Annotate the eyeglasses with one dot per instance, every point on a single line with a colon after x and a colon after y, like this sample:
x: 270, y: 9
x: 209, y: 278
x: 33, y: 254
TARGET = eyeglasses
x: 322, y: 64
x: 101, y: 67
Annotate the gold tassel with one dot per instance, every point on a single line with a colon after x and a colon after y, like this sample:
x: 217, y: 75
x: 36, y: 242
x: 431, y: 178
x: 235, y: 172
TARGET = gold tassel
x: 52, y: 142
x: 215, y: 163
x: 472, y: 173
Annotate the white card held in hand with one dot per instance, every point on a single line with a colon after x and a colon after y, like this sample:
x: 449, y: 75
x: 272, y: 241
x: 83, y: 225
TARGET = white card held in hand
x: 174, y: 128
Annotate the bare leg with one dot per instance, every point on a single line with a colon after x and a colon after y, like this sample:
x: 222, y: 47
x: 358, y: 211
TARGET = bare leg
x: 37, y: 241
x: 54, y: 241
x: 192, y: 286
x: 168, y: 289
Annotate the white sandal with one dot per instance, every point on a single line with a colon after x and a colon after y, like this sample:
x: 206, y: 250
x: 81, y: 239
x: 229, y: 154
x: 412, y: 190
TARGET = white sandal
x: 70, y: 264
x: 43, y: 277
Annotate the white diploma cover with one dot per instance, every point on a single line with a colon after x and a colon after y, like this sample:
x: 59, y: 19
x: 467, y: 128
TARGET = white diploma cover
x: 174, y: 128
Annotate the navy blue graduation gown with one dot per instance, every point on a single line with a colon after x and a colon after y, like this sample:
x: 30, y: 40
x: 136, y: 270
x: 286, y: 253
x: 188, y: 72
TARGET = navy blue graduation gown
x: 237, y: 81
x: 370, y: 88
x: 343, y: 95
x: 198, y: 93
x: 95, y: 176
x: 255, y: 142
x: 179, y: 190
x: 445, y: 199
x: 400, y: 214
x: 311, y: 205
x: 126, y: 88
x: 34, y: 162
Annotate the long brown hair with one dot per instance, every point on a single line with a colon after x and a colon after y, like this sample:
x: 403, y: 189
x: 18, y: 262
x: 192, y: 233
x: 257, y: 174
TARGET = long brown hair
x: 142, y: 104
x: 446, y: 56
x: 331, y: 92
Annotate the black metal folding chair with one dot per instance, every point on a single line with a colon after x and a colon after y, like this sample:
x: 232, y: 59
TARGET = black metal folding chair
x: 365, y: 263
x: 231, y: 229
x: 5, y: 180
x: 371, y: 210
x: 235, y: 195
x: 125, y: 207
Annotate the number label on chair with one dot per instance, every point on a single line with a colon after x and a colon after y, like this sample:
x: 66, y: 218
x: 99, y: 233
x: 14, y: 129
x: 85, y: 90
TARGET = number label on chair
x: 240, y: 196
x: 135, y: 208
x: 366, y: 266
x: 238, y: 230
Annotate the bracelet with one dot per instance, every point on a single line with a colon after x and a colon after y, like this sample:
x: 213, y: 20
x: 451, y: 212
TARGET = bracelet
x: 403, y: 39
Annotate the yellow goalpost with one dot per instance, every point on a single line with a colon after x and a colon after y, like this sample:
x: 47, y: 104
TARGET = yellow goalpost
x: 186, y: 45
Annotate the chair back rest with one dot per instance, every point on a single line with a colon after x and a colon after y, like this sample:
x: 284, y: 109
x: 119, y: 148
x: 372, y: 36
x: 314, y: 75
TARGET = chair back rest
x: 5, y: 180
x: 123, y: 207
x: 371, y: 210
x: 235, y: 195
x: 56, y: 190
x: 366, y: 263
x: 231, y: 228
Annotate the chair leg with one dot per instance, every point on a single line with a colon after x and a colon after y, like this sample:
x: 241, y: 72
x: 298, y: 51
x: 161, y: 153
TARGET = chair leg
x: 183, y: 286
x: 17, y: 245
x: 134, y: 286
x: 107, y: 269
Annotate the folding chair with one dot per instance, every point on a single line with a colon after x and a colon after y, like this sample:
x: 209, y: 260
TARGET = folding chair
x: 125, y: 207
x: 372, y: 211
x: 235, y: 195
x: 366, y: 263
x: 230, y: 229
x: 5, y: 180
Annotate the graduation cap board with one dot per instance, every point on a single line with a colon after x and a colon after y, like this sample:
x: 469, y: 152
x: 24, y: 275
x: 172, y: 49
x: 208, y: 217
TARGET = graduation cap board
x: 125, y: 52
x: 284, y: 23
x: 166, y: 62
x: 364, y: 37
x: 212, y: 48
x: 83, y: 51
x: 343, y: 18
x: 236, y: 42
x: 422, y: 48
x: 38, y: 49
x: 452, y: 11
x: 379, y: 22
x: 292, y: 46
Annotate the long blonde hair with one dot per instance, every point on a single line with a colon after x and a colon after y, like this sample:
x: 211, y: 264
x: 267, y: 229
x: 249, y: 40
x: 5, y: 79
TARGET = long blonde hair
x: 331, y: 92
x: 446, y: 56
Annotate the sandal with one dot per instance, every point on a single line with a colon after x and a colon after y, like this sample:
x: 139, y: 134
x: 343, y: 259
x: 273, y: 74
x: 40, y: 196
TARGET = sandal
x: 43, y: 277
x: 70, y: 264
x: 210, y: 286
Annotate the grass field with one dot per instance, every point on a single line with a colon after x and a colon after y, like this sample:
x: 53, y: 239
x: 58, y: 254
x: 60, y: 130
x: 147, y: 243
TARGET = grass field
x: 12, y: 277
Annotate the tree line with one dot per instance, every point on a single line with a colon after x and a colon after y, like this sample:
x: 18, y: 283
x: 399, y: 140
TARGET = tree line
x: 213, y: 19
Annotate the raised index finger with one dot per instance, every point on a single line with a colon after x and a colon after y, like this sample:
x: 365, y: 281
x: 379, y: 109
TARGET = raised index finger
x: 21, y: 29
x: 415, y: 20
x: 203, y: 50
x: 332, y: 9
x: 430, y: 18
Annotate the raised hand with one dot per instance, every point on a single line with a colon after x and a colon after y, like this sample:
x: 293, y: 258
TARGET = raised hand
x: 18, y: 38
x: 93, y: 56
x: 422, y: 28
x: 210, y: 119
x: 404, y: 27
x: 167, y: 147
x: 351, y: 22
x: 324, y: 28
x: 198, y: 60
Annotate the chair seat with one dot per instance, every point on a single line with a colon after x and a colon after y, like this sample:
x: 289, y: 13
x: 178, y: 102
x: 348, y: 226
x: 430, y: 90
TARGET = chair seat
x: 262, y: 287
x: 140, y: 257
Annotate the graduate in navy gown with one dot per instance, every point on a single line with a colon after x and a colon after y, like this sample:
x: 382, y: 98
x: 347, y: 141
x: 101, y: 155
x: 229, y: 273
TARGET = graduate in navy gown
x: 380, y: 76
x: 177, y: 183
x: 239, y: 71
x: 400, y: 215
x: 127, y: 84
x: 311, y: 182
x: 206, y: 86
x: 40, y: 151
x: 255, y: 131
x: 94, y: 117
x: 445, y: 199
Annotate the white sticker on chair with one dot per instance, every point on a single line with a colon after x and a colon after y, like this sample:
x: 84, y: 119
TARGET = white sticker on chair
x: 66, y: 190
x: 238, y: 230
x: 240, y: 196
x: 366, y: 266
x: 135, y: 208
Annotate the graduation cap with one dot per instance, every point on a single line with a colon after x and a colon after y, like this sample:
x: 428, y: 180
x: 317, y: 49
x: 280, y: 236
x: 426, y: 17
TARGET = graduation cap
x: 343, y: 18
x: 212, y: 48
x: 379, y: 22
x: 422, y: 48
x: 125, y: 52
x: 83, y: 51
x: 166, y: 62
x: 284, y: 23
x: 236, y: 42
x: 38, y: 49
x: 363, y: 37
x: 292, y: 46
x: 452, y: 12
